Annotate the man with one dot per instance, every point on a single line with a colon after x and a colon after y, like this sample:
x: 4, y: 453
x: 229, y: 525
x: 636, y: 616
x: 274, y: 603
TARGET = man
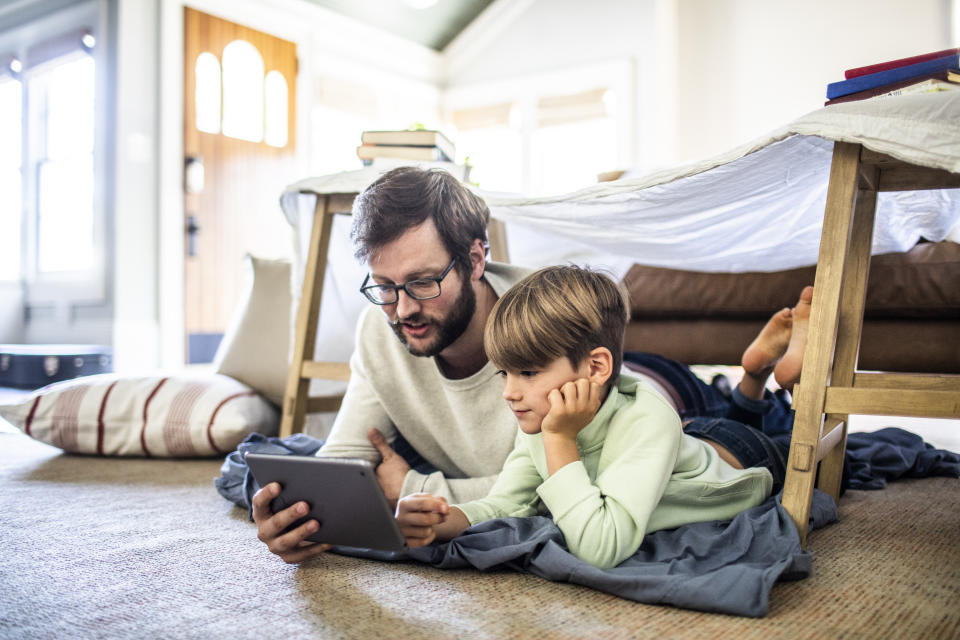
x: 419, y: 369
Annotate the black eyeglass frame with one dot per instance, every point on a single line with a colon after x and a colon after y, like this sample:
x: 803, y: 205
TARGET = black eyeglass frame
x: 364, y: 288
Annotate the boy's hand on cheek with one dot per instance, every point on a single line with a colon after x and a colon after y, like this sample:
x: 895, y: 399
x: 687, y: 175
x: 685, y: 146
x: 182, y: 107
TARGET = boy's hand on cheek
x: 572, y: 407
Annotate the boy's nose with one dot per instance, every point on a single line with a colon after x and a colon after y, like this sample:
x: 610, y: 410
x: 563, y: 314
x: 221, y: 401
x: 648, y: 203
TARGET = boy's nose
x: 510, y: 390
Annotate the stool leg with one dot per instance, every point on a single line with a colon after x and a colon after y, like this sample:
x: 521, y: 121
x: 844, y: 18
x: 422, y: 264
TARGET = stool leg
x: 818, y: 356
x: 308, y: 313
x: 852, y: 300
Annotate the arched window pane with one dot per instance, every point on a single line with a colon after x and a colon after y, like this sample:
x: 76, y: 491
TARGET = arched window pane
x: 276, y: 109
x: 242, y: 91
x: 207, y: 94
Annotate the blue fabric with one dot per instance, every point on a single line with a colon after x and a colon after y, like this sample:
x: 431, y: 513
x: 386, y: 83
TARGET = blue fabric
x: 747, y: 444
x: 891, y: 453
x: 723, y: 567
x: 772, y: 415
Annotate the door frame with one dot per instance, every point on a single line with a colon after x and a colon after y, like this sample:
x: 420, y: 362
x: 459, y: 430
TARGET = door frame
x: 172, y: 338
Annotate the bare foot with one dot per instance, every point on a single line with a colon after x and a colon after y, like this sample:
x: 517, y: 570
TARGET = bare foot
x: 787, y: 371
x: 760, y: 358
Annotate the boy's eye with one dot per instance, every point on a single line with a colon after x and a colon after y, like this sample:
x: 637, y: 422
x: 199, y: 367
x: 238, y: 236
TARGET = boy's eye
x: 528, y: 374
x: 502, y: 373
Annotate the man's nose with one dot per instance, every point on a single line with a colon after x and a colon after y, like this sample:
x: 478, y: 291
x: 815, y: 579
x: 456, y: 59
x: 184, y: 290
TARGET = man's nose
x: 407, y: 306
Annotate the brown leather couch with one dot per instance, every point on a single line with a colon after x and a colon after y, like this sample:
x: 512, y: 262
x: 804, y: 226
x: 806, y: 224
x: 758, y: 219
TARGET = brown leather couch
x: 911, y: 322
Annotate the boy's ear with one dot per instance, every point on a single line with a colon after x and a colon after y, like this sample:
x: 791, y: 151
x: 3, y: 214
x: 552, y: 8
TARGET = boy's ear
x: 600, y: 361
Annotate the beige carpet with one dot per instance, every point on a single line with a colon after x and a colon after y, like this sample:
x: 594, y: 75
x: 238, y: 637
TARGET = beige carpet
x: 115, y: 548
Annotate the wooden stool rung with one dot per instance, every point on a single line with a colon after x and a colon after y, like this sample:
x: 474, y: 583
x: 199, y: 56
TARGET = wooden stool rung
x: 884, y: 402
x: 907, y: 381
x: 312, y: 369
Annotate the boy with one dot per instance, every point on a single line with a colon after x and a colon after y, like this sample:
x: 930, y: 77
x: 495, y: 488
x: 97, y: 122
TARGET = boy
x: 604, y: 453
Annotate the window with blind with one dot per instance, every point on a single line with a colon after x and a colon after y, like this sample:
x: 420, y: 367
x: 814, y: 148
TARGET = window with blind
x: 540, y: 144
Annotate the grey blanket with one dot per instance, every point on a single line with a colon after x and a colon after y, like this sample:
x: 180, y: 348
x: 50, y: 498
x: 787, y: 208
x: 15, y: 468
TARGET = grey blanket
x: 721, y: 566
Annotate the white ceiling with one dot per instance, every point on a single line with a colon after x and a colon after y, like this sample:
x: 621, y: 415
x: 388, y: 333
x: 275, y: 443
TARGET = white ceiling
x: 433, y: 26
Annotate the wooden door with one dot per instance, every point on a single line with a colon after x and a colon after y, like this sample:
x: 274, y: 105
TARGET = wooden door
x: 239, y: 145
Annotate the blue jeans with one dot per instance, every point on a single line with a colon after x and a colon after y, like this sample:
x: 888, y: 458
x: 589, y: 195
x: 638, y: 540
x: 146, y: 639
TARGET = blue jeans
x: 756, y: 432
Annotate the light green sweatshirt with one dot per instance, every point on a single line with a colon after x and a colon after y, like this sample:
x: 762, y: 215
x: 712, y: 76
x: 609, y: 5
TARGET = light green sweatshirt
x: 638, y: 472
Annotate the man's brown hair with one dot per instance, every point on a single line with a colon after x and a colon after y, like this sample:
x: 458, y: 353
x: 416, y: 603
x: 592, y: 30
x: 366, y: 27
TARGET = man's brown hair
x: 556, y: 312
x: 404, y: 198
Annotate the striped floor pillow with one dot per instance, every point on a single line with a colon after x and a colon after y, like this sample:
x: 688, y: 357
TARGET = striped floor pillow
x: 153, y: 416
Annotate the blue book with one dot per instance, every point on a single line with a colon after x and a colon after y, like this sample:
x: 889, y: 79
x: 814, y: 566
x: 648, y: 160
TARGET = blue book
x: 873, y: 80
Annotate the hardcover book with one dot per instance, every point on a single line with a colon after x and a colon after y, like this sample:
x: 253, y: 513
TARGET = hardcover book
x: 938, y: 81
x: 429, y: 154
x: 900, y: 62
x: 410, y: 138
x: 890, y: 76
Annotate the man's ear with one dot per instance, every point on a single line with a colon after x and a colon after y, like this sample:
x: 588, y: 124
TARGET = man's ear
x: 477, y: 259
x: 600, y: 361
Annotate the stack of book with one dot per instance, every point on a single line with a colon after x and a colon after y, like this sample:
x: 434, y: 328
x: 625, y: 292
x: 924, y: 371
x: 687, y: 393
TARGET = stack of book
x: 936, y: 71
x: 417, y: 145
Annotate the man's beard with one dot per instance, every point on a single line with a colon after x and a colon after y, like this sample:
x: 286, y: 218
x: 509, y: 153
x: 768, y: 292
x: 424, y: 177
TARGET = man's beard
x: 448, y: 329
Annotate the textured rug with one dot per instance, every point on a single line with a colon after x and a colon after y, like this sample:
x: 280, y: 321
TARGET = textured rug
x: 133, y: 548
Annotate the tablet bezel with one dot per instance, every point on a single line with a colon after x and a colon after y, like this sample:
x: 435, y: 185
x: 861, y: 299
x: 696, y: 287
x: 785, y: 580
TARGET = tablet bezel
x: 344, y: 495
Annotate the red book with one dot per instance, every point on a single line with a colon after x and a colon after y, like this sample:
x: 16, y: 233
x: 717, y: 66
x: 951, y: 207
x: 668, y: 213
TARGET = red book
x: 894, y: 64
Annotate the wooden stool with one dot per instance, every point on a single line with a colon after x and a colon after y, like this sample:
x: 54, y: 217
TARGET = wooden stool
x: 831, y: 388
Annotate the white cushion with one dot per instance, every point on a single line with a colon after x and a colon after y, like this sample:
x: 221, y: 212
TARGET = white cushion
x: 256, y: 347
x: 162, y: 416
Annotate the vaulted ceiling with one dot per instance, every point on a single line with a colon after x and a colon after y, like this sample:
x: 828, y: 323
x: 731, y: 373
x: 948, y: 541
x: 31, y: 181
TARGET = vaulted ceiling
x: 432, y: 23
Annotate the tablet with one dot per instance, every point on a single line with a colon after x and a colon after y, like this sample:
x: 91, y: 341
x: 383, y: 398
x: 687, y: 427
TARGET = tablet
x: 344, y: 495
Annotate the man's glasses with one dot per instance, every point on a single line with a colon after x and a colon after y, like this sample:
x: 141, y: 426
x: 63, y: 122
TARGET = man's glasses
x: 419, y: 289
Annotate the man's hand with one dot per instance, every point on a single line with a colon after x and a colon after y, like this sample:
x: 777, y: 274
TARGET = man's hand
x: 392, y: 470
x: 291, y: 546
x: 418, y: 515
x: 572, y: 407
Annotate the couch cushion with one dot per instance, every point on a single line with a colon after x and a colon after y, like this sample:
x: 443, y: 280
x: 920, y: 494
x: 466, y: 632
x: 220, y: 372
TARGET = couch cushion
x: 921, y: 283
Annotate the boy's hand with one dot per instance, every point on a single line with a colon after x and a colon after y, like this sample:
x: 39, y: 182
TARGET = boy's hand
x: 418, y: 515
x: 572, y: 407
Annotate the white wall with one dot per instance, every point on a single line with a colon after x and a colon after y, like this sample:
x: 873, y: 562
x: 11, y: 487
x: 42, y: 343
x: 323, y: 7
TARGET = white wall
x: 531, y: 38
x: 748, y: 66
x: 710, y: 74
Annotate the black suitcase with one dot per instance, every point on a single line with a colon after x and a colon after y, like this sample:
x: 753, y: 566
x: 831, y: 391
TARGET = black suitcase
x: 31, y: 366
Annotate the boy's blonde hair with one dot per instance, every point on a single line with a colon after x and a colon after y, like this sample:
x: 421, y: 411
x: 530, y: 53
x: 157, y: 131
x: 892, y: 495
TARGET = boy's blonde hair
x: 557, y: 312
